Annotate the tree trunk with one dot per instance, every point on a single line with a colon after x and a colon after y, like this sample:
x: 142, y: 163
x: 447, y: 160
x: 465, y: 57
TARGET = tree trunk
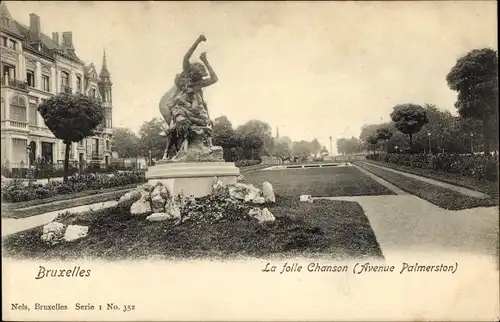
x: 411, y: 142
x: 66, y: 161
x: 486, y: 134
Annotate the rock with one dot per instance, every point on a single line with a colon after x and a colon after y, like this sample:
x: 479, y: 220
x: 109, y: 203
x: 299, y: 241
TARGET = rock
x: 159, y: 216
x: 255, y: 212
x: 53, y: 232
x: 158, y: 203
x: 173, y: 210
x: 53, y: 227
x: 262, y: 216
x: 217, y: 185
x: 245, y: 192
x: 268, y: 192
x: 306, y: 198
x: 145, y: 187
x: 240, y: 178
x: 74, y: 232
x: 133, y: 195
x: 141, y: 206
x: 164, y: 193
x: 258, y: 200
x: 156, y: 190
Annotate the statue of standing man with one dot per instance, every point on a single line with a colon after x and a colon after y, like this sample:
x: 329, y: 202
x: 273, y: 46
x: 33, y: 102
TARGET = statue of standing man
x: 183, y: 108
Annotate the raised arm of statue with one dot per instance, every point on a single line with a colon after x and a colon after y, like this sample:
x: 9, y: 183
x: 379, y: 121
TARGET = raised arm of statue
x: 212, y: 76
x: 187, y: 56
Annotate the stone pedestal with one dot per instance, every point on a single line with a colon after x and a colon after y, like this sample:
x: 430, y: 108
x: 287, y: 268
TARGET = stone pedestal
x: 192, y: 178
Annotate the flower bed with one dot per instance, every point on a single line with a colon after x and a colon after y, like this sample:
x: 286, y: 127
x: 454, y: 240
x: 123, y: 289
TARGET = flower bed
x: 17, y: 191
x: 477, y: 166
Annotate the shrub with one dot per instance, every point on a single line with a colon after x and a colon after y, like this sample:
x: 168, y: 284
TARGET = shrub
x: 476, y: 166
x: 247, y: 163
x: 17, y: 191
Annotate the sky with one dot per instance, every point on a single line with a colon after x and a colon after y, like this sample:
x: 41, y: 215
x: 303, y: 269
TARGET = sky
x: 315, y: 69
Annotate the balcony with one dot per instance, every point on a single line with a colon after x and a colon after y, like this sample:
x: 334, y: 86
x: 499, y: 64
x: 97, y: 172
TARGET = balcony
x: 66, y: 89
x: 17, y: 124
x: 97, y: 156
x: 14, y: 83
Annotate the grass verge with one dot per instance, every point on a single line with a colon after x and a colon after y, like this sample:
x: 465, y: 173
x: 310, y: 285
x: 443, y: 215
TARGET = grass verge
x: 484, y: 186
x: 319, y: 182
x: 439, y: 196
x: 338, y: 229
x: 14, y: 211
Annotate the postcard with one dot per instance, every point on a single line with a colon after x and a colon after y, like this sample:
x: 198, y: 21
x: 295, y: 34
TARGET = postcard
x: 249, y: 161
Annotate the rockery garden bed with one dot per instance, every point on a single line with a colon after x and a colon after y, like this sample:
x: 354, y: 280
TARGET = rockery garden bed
x: 218, y: 226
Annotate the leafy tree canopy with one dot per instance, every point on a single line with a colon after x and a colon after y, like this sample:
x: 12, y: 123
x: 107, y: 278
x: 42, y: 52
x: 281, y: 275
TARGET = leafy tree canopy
x: 71, y: 118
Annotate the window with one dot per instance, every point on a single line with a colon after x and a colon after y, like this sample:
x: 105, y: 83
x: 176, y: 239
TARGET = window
x: 33, y: 113
x: 93, y: 93
x: 12, y: 44
x: 81, y: 143
x: 5, y: 21
x: 64, y: 79
x: 3, y: 41
x: 8, y: 71
x: 30, y: 78
x: 107, y: 145
x: 95, y: 146
x: 78, y: 84
x: 18, y: 109
x: 46, y: 83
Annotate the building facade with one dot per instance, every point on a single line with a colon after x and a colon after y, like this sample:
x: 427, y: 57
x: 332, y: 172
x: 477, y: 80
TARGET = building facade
x: 34, y: 67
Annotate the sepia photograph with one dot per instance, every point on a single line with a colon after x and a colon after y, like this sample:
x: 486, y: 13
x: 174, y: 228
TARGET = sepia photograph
x: 226, y: 160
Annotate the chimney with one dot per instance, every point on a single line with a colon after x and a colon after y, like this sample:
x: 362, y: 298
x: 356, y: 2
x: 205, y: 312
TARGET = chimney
x: 34, y: 32
x: 55, y: 37
x: 67, y: 39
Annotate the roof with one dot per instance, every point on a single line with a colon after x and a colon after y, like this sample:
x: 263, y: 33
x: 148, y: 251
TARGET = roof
x: 12, y: 26
x: 48, y: 46
x: 104, y: 71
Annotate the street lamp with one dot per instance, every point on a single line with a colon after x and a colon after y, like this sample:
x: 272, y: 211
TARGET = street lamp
x: 429, y: 135
x: 28, y: 154
x: 150, y: 159
x: 472, y: 143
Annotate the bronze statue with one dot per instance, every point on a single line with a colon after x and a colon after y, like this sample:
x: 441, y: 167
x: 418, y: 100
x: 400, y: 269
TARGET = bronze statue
x: 185, y: 111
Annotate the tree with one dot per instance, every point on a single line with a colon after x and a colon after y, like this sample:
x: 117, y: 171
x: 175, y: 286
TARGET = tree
x: 409, y: 119
x: 384, y: 134
x: 151, y: 139
x: 71, y: 118
x: 263, y: 131
x: 324, y: 151
x: 252, y: 143
x: 282, y: 150
x: 301, y: 148
x: 474, y: 77
x: 315, y: 147
x: 125, y: 142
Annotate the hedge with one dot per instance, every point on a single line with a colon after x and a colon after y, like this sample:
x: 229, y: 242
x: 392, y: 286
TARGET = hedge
x: 17, y: 191
x: 483, y: 167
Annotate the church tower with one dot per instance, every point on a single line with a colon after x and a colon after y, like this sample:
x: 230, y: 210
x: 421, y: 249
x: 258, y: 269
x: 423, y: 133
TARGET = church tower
x: 105, y: 88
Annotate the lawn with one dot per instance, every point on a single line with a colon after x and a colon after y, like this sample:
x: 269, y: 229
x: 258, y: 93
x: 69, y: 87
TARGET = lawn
x: 441, y: 197
x: 488, y: 187
x: 319, y: 182
x: 336, y: 229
